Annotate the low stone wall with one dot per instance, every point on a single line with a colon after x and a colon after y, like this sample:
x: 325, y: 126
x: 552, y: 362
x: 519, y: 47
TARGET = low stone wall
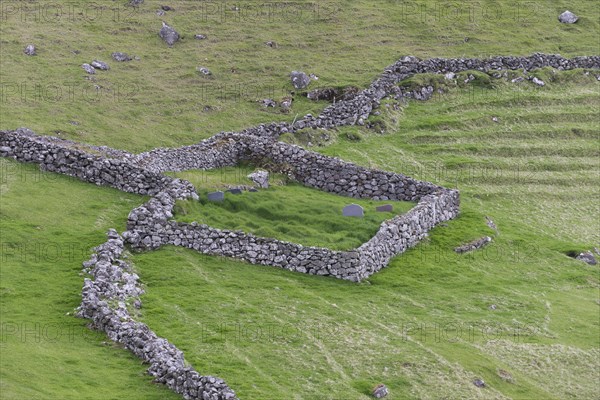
x: 105, y: 301
x: 65, y: 157
x: 402, y: 232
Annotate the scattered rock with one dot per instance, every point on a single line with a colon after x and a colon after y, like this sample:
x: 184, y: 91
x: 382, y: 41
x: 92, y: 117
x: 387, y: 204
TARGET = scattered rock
x: 204, y: 71
x: 489, y: 222
x: 492, y: 307
x: 286, y: 103
x: 268, y: 103
x: 30, y: 50
x: 272, y: 44
x: 299, y: 79
x: 160, y: 12
x: 538, y: 82
x: 118, y: 56
x: 135, y: 3
x: 100, y: 65
x: 168, y: 34
x: 380, y: 391
x: 587, y: 257
x: 495, y: 119
x: 474, y: 245
x: 568, y: 17
x: 449, y: 76
x: 88, y: 68
x: 261, y: 178
x: 167, y: 8
x: 479, y: 383
x: 518, y: 79
x: 200, y: 37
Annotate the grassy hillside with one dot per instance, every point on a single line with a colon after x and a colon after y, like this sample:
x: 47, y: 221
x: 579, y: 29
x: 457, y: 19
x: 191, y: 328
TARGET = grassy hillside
x: 423, y: 326
x: 161, y: 100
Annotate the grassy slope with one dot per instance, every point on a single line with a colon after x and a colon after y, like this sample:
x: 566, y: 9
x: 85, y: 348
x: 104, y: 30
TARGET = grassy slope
x: 160, y: 100
x: 327, y: 336
x: 423, y: 325
x: 45, y: 352
x: 285, y: 211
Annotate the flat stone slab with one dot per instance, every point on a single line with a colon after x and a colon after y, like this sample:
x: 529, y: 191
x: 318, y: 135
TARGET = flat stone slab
x: 385, y: 208
x: 216, y: 196
x: 353, y: 210
x: 235, y: 191
x: 252, y: 190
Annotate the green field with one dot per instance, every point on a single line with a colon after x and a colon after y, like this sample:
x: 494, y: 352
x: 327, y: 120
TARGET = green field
x: 423, y: 326
x: 286, y: 211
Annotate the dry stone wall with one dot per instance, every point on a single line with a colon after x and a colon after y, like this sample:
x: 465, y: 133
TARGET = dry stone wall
x: 108, y: 297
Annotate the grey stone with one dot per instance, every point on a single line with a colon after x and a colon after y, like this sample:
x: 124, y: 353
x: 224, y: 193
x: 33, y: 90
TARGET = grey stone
x: 385, y: 208
x: 272, y: 43
x: 252, y: 190
x: 167, y: 8
x: 30, y: 50
x: 261, y: 178
x: 380, y: 391
x: 4, y: 149
x: 204, y: 70
x: 118, y: 56
x: 299, y: 79
x: 479, y: 383
x: 587, y: 257
x: 568, y: 17
x: 235, y: 191
x: 100, y: 65
x: 200, y: 37
x: 135, y: 3
x: 268, y: 103
x: 353, y: 210
x: 88, y: 68
x: 216, y: 196
x: 168, y: 34
x: 538, y: 82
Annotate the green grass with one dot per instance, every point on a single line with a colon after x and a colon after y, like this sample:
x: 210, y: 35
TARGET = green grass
x: 288, y: 211
x: 49, y: 225
x: 422, y: 325
x: 273, y: 334
x: 162, y: 95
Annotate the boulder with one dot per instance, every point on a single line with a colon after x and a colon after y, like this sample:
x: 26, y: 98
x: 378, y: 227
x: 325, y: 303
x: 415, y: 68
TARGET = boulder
x: 100, y: 65
x: 299, y: 79
x: 568, y: 17
x: 88, y: 68
x: 261, y: 178
x: 380, y: 391
x: 168, y: 34
x: 587, y: 257
x: 118, y: 56
x: 30, y: 50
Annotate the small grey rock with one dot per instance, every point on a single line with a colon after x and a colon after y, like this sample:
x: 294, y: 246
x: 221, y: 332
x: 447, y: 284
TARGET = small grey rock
x: 261, y: 178
x: 299, y: 79
x: 587, y: 257
x: 538, y: 82
x: 200, y: 36
x: 380, y: 391
x: 30, y: 50
x: 135, y: 3
x: 204, y: 71
x: 479, y: 383
x: 168, y: 34
x: 100, y: 65
x: 118, y: 56
x: 88, y: 68
x: 167, y: 8
x: 272, y: 43
x: 568, y: 17
x: 268, y: 103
